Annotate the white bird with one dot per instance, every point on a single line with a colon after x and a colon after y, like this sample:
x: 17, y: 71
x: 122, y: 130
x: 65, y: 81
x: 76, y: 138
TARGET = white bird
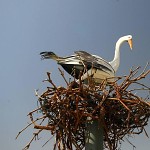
x: 85, y: 64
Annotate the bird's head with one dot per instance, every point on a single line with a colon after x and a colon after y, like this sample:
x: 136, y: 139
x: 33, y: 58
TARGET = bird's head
x: 127, y: 38
x: 48, y: 55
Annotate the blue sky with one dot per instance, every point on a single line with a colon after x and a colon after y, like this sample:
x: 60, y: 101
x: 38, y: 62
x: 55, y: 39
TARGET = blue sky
x: 28, y: 27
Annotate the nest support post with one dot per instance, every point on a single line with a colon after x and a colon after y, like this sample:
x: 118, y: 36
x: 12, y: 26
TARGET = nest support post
x: 93, y: 136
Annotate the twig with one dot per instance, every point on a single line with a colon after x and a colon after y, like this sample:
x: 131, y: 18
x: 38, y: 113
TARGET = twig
x: 28, y: 145
x: 62, y: 74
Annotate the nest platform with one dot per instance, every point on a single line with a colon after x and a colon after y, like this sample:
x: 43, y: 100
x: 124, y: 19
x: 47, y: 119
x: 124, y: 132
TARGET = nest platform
x: 65, y: 110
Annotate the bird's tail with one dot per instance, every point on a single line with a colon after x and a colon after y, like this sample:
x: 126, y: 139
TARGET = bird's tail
x: 49, y: 55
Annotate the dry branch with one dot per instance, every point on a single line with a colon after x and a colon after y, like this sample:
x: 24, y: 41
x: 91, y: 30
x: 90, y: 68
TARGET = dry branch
x: 117, y: 109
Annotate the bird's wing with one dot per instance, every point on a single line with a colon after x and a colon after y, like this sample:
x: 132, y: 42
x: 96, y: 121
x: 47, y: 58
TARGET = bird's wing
x: 83, y: 54
x: 102, y: 62
x: 94, y: 61
x: 69, y: 60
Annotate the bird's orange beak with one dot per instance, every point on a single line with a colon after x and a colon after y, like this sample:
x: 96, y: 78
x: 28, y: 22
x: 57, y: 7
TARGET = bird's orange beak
x: 130, y: 43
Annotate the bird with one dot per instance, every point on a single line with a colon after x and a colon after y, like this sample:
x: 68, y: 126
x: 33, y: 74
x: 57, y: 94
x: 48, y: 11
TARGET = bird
x: 83, y: 64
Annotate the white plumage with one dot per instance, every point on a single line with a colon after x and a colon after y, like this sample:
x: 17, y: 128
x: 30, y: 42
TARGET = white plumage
x: 90, y: 65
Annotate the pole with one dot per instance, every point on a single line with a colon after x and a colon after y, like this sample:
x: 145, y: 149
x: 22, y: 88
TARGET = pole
x: 93, y: 136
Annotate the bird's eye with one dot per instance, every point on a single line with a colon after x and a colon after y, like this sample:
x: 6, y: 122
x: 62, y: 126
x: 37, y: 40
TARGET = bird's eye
x: 129, y: 37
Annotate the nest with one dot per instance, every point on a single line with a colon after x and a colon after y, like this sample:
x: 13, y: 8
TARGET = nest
x: 66, y: 111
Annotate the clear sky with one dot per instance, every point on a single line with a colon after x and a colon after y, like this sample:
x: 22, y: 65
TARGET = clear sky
x: 28, y: 27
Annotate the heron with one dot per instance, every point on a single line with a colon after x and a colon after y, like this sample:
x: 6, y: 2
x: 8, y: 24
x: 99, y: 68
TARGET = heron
x: 83, y: 64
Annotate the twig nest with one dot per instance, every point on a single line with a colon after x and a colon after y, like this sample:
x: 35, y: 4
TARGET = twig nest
x: 117, y: 109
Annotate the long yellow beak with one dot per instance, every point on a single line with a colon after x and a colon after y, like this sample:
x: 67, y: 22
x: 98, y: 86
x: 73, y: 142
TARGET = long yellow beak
x: 130, y: 43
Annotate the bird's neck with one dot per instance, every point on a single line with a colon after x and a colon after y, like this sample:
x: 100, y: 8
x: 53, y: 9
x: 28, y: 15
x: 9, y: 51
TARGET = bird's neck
x: 116, y: 61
